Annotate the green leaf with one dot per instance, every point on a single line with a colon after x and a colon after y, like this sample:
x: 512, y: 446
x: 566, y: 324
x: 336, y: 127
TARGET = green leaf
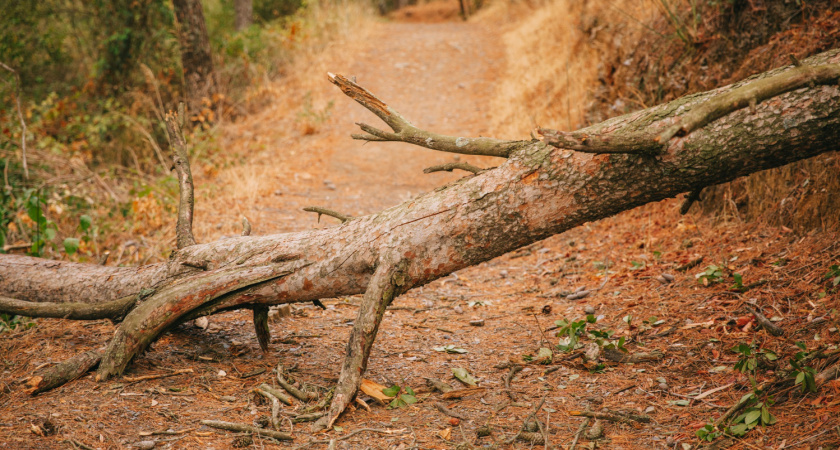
x: 800, y: 377
x: 738, y: 430
x: 765, y: 416
x: 391, y: 391
x: 85, y: 222
x: 752, y: 417
x: 409, y: 391
x: 49, y: 234
x: 408, y: 399
x: 71, y: 245
x: 462, y: 374
x: 544, y: 354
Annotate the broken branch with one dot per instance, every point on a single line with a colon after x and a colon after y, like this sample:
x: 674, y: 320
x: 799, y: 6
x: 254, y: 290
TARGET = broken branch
x: 328, y: 212
x: 449, y: 167
x: 242, y: 428
x: 183, y: 230
x: 404, y: 131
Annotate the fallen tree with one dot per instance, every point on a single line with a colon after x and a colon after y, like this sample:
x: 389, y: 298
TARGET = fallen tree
x: 546, y: 185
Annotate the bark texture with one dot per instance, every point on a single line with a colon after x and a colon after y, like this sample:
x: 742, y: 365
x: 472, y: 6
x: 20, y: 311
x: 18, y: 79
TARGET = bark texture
x: 195, y: 49
x: 244, y: 10
x: 541, y: 189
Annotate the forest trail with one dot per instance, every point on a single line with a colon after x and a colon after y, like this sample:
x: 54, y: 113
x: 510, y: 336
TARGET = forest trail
x: 440, y: 76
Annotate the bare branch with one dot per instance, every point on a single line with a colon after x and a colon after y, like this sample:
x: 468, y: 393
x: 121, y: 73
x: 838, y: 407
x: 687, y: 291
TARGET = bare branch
x: 404, y: 131
x: 754, y: 91
x: 115, y: 309
x: 328, y: 212
x: 20, y: 116
x: 449, y: 167
x: 647, y: 142
x: 183, y: 230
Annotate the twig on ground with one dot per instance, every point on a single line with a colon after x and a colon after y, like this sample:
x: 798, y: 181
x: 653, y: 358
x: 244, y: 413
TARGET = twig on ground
x: 309, y: 417
x: 613, y: 416
x: 579, y: 432
x: 361, y: 430
x: 690, y: 265
x: 440, y: 407
x: 268, y: 391
x: 765, y: 323
x: 296, y: 393
x: 242, y: 428
x: 512, y: 373
x: 155, y: 377
x: 328, y: 212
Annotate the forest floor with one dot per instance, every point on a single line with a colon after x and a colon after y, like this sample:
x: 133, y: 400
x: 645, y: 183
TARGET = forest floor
x: 491, y: 319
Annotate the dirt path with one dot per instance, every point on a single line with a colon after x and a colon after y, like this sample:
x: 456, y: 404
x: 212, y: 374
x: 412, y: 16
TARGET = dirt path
x: 440, y: 76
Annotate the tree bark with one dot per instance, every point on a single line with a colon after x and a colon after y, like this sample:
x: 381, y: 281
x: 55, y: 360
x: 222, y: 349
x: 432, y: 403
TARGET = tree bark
x: 196, y: 58
x: 244, y: 10
x: 541, y: 189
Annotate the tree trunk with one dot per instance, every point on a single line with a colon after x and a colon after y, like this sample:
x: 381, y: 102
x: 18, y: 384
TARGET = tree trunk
x: 195, y: 50
x: 244, y: 10
x: 544, y: 187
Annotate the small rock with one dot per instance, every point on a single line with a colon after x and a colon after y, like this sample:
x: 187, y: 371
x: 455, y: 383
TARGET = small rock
x: 278, y: 192
x: 578, y: 295
x: 503, y: 273
x: 592, y: 352
x: 663, y: 386
x: 227, y: 398
x: 661, y: 279
x: 145, y: 445
x: 458, y: 309
x: 668, y: 277
x: 650, y: 410
x: 589, y: 309
x: 477, y: 322
x: 202, y: 322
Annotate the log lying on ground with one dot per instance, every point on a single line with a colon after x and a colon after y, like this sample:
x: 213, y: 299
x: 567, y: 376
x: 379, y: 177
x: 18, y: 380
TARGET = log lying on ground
x: 540, y: 190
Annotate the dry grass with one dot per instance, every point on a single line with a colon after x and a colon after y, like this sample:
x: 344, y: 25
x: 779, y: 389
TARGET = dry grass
x: 555, y: 53
x: 283, y: 111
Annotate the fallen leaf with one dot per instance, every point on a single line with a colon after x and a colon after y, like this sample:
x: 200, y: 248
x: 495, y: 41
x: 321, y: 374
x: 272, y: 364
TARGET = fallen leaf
x: 374, y: 390
x: 461, y: 374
